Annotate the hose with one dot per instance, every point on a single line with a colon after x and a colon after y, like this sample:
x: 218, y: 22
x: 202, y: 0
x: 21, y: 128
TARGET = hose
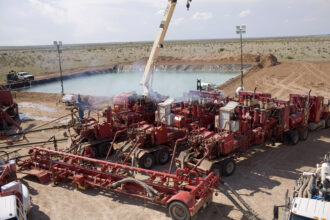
x: 302, y: 189
x: 37, y: 130
x: 74, y: 147
x: 150, y: 191
x: 309, y: 188
x: 120, y: 149
x: 33, y: 143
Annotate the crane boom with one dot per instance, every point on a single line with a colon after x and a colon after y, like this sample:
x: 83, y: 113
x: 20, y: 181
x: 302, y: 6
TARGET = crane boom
x: 147, y: 78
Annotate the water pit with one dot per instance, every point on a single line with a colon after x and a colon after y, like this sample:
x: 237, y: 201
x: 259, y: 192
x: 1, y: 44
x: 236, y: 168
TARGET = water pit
x: 172, y: 84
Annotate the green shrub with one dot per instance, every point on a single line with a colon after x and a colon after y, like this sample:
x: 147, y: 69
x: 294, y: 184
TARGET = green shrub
x: 289, y: 57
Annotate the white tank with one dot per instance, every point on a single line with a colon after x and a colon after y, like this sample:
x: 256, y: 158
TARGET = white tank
x: 325, y: 171
x: 26, y: 198
x: 238, y: 90
x: 12, y: 165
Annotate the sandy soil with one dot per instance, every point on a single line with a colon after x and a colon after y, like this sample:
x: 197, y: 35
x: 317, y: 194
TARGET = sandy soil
x: 262, y: 177
x: 286, y: 77
x: 43, y: 60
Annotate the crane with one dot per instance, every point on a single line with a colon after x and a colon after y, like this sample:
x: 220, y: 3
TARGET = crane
x: 147, y: 78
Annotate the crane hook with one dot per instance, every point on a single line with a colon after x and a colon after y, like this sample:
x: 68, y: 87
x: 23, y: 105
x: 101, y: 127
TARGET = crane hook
x: 188, y: 4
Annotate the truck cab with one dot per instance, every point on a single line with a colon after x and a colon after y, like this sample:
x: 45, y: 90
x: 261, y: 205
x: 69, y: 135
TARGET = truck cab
x: 309, y: 209
x: 11, y: 208
x: 15, y: 202
x: 24, y: 76
x: 311, y: 197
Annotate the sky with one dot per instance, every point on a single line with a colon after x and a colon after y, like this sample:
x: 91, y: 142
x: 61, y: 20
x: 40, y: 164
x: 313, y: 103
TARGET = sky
x: 40, y: 22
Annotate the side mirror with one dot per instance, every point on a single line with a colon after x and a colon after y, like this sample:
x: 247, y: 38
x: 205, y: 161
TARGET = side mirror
x: 275, y: 212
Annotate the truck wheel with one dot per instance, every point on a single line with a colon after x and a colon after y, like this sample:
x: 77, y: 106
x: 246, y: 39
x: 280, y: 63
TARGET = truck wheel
x: 294, y: 137
x: 217, y: 169
x: 327, y: 123
x: 228, y: 167
x: 4, y: 125
x: 303, y: 134
x: 147, y: 161
x: 163, y: 156
x: 179, y: 211
x: 103, y: 149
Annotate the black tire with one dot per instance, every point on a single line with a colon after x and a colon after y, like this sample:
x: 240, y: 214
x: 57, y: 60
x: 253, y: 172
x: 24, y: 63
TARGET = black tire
x: 95, y: 150
x: 103, y: 149
x: 275, y: 212
x: 294, y: 137
x: 303, y: 134
x: 147, y: 161
x: 4, y: 124
x: 228, y: 167
x: 327, y: 123
x: 163, y: 156
x: 217, y: 169
x: 179, y: 211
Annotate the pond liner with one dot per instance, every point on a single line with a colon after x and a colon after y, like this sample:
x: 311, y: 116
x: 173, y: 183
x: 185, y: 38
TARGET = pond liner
x: 25, y: 84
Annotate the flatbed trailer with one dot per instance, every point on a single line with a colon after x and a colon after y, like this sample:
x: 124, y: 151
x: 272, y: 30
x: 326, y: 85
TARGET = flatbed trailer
x: 184, y: 193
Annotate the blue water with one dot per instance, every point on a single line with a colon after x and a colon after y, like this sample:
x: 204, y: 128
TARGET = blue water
x: 166, y: 83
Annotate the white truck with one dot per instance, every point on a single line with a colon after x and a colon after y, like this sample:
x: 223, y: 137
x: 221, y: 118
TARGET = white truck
x: 24, y: 76
x: 13, y: 77
x: 15, y: 202
x: 311, y: 197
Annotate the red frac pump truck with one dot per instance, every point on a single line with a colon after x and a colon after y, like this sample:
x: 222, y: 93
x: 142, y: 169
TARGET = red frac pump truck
x: 254, y: 119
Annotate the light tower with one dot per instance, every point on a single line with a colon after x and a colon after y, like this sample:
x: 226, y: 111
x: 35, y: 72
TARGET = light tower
x: 241, y: 30
x: 58, y: 44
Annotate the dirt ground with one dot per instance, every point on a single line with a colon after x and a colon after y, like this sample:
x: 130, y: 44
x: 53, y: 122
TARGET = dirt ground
x: 43, y: 60
x: 261, y: 178
x: 286, y: 77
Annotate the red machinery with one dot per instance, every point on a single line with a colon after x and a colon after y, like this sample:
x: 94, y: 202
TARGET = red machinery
x: 7, y: 173
x: 150, y: 144
x: 184, y: 192
x: 251, y: 121
x: 318, y: 111
x: 128, y: 109
x: 196, y: 113
x: 8, y: 110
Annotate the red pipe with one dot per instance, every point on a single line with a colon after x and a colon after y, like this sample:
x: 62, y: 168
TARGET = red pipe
x: 174, y: 151
x: 113, y: 141
x: 133, y: 148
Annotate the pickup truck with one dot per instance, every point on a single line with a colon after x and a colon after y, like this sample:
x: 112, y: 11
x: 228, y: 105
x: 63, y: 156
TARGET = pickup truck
x: 25, y: 76
x: 13, y: 76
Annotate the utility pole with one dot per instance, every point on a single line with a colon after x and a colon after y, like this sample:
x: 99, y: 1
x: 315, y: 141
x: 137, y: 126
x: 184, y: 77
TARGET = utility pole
x: 241, y: 30
x: 58, y: 45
